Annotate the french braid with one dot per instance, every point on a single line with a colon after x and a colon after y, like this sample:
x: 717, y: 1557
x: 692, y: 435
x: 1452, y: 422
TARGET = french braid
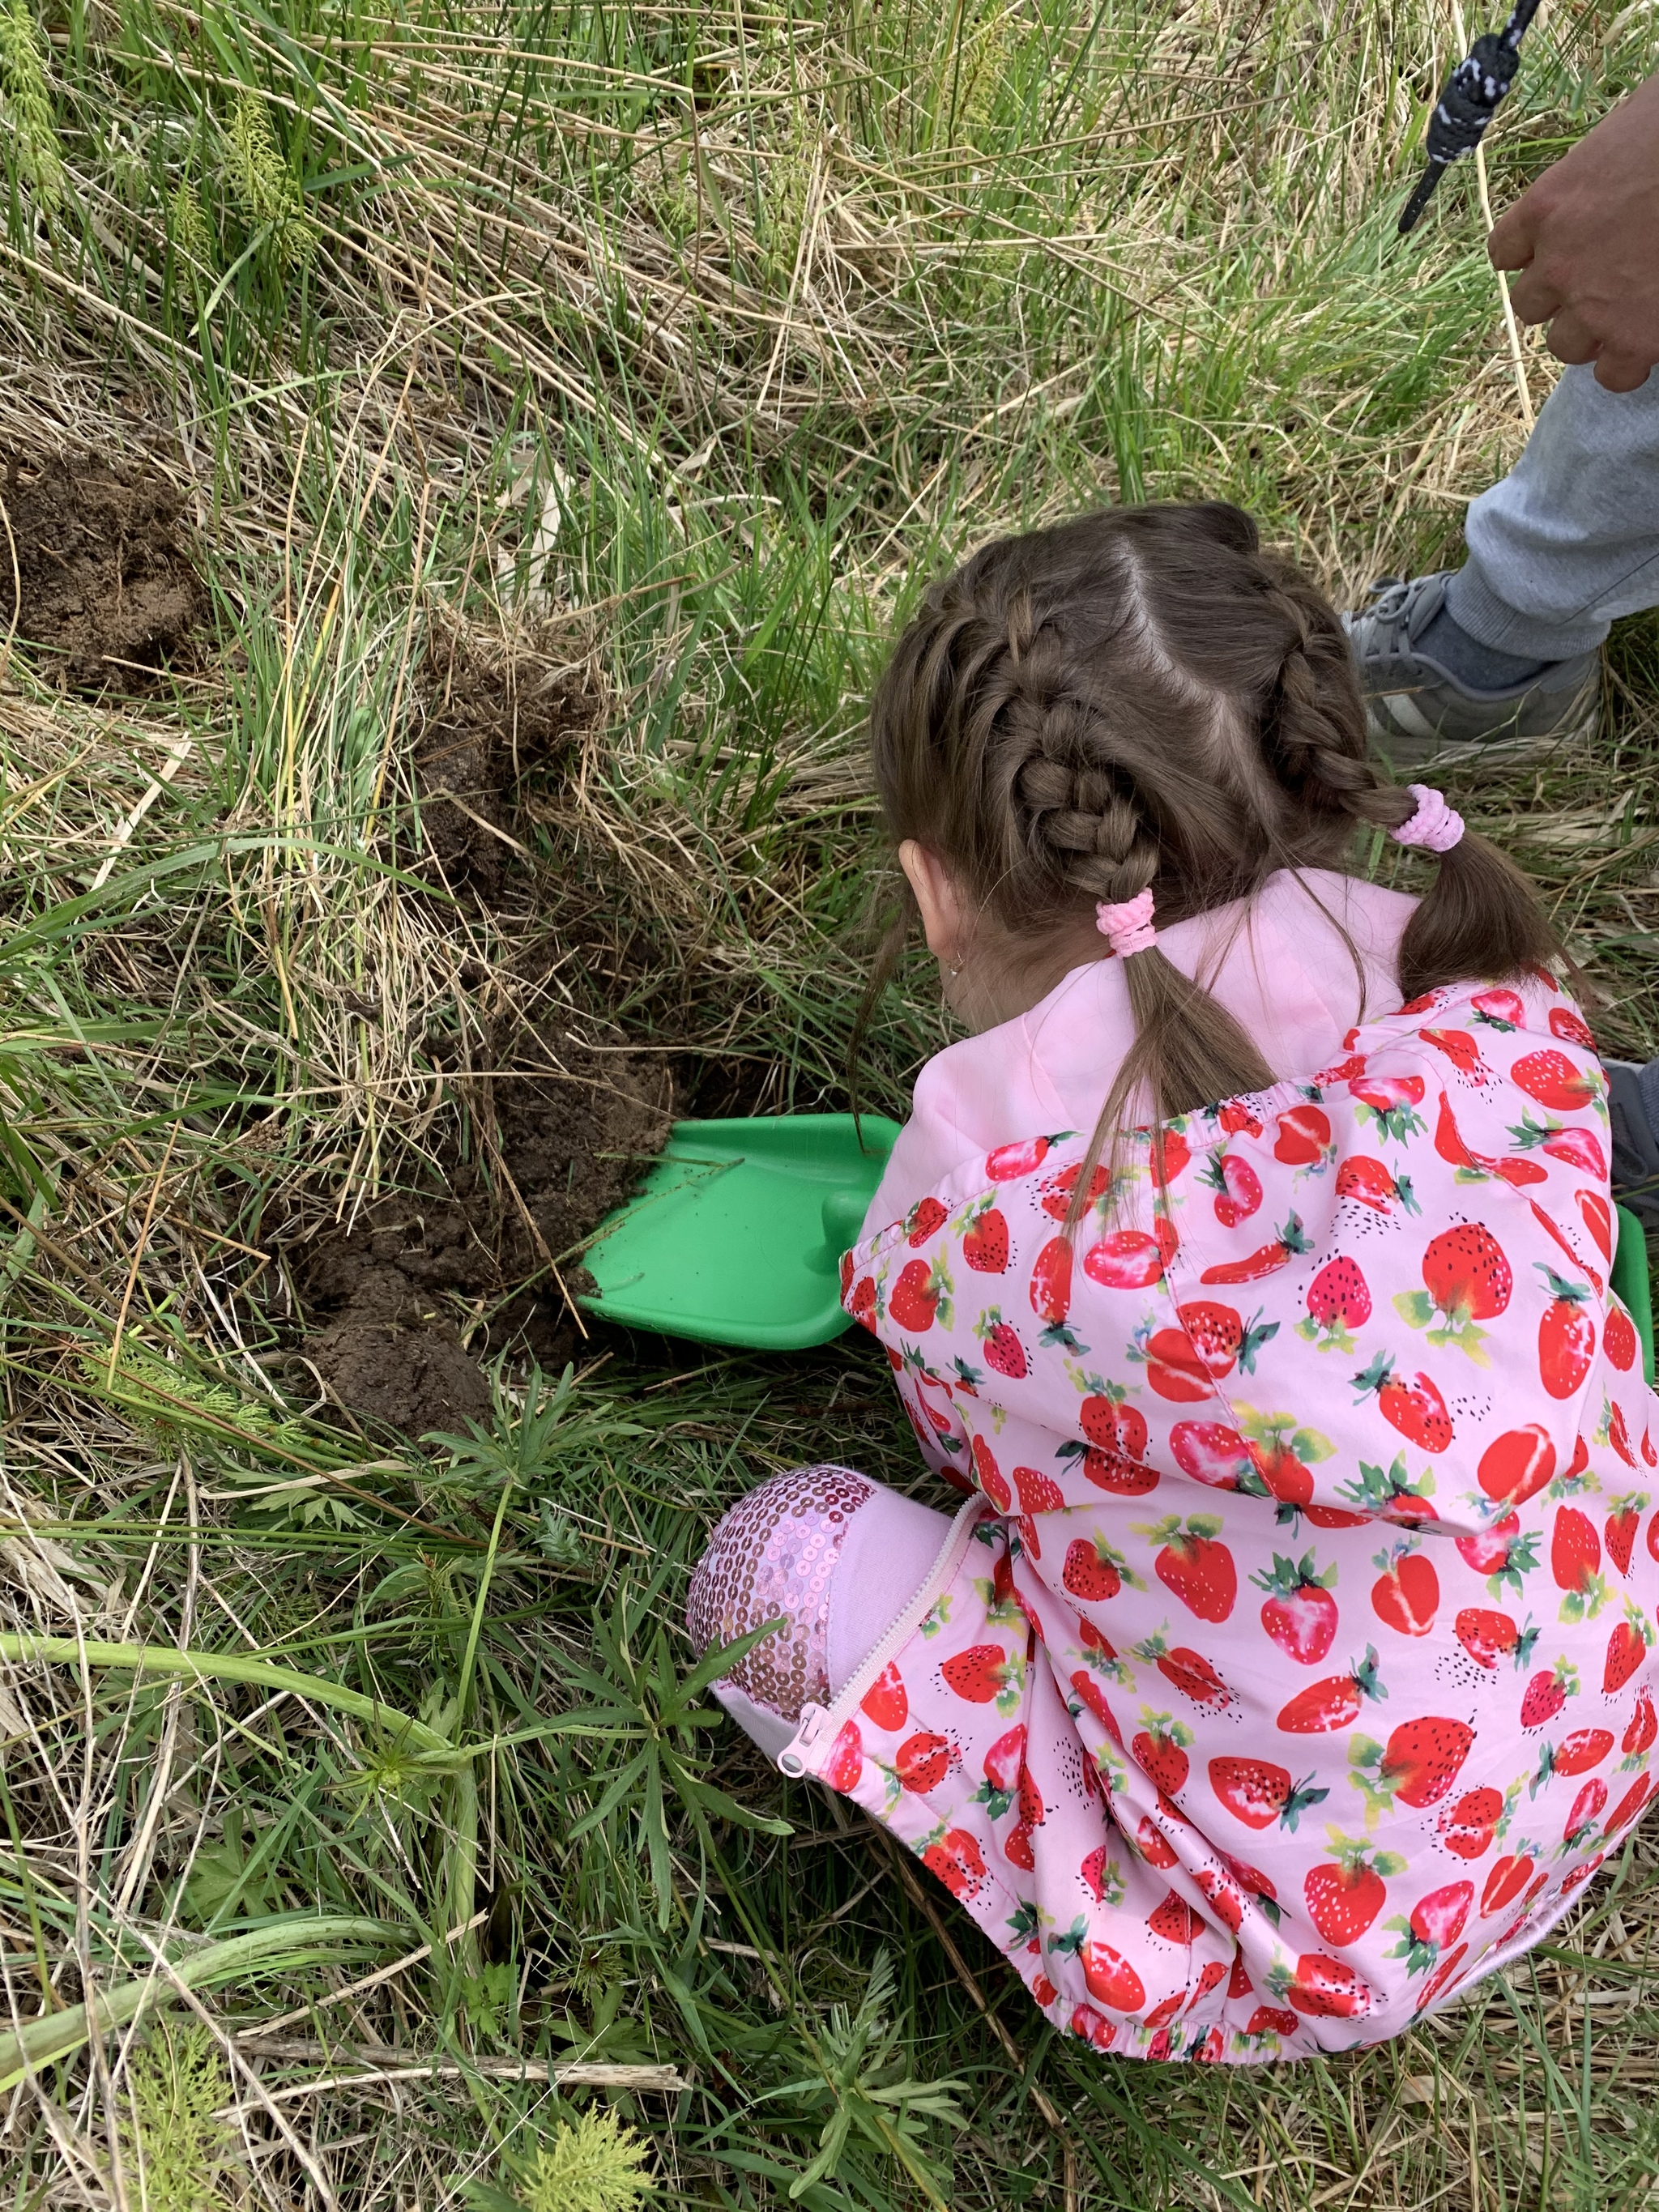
x: 1141, y: 698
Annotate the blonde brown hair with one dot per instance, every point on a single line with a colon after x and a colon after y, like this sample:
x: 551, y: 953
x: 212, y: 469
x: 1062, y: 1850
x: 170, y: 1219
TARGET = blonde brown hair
x: 1143, y: 697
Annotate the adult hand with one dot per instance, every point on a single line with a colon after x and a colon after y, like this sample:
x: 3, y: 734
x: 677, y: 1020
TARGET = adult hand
x: 1586, y: 241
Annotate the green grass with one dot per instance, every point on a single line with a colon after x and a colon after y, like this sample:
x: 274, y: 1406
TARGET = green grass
x: 784, y: 307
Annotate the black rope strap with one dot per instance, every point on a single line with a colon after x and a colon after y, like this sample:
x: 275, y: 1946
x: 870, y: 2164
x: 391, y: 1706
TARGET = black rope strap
x: 1467, y: 102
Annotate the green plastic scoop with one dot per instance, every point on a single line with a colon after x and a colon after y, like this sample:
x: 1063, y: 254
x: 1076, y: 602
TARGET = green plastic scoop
x: 736, y: 1234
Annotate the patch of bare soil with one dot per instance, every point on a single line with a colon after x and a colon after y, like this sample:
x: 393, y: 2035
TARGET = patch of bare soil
x: 94, y: 570
x: 558, y: 1144
x: 494, y: 726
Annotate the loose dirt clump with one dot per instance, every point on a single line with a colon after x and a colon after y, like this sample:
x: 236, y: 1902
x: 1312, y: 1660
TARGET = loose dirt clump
x: 108, y: 591
x: 495, y: 724
x: 559, y: 1143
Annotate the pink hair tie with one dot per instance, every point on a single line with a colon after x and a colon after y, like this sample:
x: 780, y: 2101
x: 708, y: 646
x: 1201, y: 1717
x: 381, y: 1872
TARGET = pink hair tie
x: 1435, y: 826
x: 1128, y: 927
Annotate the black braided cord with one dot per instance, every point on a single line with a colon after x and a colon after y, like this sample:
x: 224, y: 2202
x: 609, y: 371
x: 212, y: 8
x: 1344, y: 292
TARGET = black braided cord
x: 1467, y: 102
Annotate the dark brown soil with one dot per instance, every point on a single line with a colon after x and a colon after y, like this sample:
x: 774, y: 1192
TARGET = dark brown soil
x: 109, y: 593
x: 494, y: 726
x: 389, y: 1299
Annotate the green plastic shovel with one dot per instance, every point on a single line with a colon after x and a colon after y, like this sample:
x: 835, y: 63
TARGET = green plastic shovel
x: 736, y: 1234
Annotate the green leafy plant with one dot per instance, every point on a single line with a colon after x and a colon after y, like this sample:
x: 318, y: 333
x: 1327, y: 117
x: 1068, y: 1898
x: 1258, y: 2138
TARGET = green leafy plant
x: 263, y: 184
x: 592, y: 2165
x: 28, y: 107
x: 178, y: 2083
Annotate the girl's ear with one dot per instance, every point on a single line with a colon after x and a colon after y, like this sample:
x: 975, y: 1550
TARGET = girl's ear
x: 944, y: 912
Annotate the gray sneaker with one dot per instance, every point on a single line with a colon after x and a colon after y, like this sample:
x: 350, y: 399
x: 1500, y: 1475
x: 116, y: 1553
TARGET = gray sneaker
x: 1420, y: 716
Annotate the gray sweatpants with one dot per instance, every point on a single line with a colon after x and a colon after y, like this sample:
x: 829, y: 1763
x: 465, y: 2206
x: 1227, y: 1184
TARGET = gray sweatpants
x: 1570, y: 539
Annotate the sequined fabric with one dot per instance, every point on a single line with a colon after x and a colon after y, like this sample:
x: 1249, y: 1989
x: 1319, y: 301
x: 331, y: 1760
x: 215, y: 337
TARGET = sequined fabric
x: 774, y: 1553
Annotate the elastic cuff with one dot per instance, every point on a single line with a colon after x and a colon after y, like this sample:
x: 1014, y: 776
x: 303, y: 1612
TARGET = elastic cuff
x: 1476, y: 607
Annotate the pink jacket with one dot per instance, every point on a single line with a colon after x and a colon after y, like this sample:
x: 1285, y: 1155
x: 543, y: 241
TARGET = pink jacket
x: 1292, y: 1663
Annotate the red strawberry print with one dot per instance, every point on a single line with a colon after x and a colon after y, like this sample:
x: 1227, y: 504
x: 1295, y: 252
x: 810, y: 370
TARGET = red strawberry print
x: 985, y: 1241
x: 1508, y: 1878
x: 1467, y: 1278
x: 990, y: 1476
x: 1468, y: 1824
x: 1621, y: 1529
x: 1110, y: 1979
x: 1194, y: 1563
x: 1004, y: 1352
x: 1266, y: 1259
x: 1221, y: 1894
x: 1575, y: 1754
x: 1280, y: 1453
x: 886, y: 1702
x: 1389, y: 1493
x: 1235, y: 1118
x: 1037, y: 1492
x: 1339, y: 1301
x: 1366, y: 1180
x: 1570, y: 1028
x: 1619, y: 1338
x: 1174, y: 1920
x: 1210, y: 1453
x: 1489, y: 1637
x: 1167, y: 1157
x: 1460, y: 1047
x: 1092, y: 1571
x: 1127, y: 1260
x: 1091, y: 2026
x: 921, y: 1295
x: 1586, y: 1809
x: 1576, y: 1563
x: 1094, y: 1873
x: 1502, y: 1552
x: 1009, y: 1162
x: 1597, y: 1214
x: 1260, y: 1794
x: 1322, y: 1988
x: 1500, y: 1009
x: 1155, y: 1846
x: 923, y: 1762
x: 981, y: 1673
x: 1390, y: 1100
x: 1547, y: 1692
x: 1417, y: 1766
x: 1051, y: 1290
x: 845, y: 1763
x: 1571, y: 1257
x: 1345, y: 1893
x: 1092, y: 1698
x: 1575, y: 1148
x: 1416, y: 1408
x: 957, y: 1860
x: 1517, y: 1465
x: 1333, y: 1703
x: 1554, y: 1080
x: 1159, y: 1749
x: 1272, y: 2019
x: 1304, y: 1138
x: 1628, y: 1806
x: 1220, y: 1338
x: 924, y: 1217
x: 1058, y: 1189
x: 1433, y: 1925
x: 1237, y: 1185
x: 1643, y: 1729
x: 1189, y: 1672
x: 1628, y: 1647
x: 1004, y: 1761
x: 862, y: 1303
x: 1406, y: 1596
x: 1300, y: 1614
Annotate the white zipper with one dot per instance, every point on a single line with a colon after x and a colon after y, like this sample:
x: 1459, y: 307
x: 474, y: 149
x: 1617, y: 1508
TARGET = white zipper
x: 818, y: 1721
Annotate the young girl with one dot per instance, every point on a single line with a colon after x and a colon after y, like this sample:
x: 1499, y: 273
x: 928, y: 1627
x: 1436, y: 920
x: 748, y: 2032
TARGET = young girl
x: 1290, y: 1666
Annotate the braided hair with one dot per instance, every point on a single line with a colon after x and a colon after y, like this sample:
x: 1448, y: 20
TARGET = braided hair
x: 1142, y: 697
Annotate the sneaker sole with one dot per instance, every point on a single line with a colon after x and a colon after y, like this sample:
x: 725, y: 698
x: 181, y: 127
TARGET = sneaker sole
x: 1407, y: 749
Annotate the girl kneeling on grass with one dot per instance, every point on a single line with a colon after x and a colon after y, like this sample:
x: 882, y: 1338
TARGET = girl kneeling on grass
x: 1290, y: 1665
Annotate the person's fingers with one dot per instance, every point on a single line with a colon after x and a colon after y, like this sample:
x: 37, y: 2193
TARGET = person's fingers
x: 1533, y: 297
x: 1571, y: 338
x: 1622, y: 372
x: 1514, y: 236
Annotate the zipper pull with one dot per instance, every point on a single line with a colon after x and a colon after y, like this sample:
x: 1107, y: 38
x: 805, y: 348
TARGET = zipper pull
x: 791, y: 1761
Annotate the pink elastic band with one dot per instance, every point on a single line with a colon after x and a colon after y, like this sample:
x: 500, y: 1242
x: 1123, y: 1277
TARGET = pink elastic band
x: 1435, y: 826
x: 1128, y: 927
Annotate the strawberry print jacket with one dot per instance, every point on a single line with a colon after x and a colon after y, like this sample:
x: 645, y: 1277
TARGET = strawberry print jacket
x: 1292, y: 1663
